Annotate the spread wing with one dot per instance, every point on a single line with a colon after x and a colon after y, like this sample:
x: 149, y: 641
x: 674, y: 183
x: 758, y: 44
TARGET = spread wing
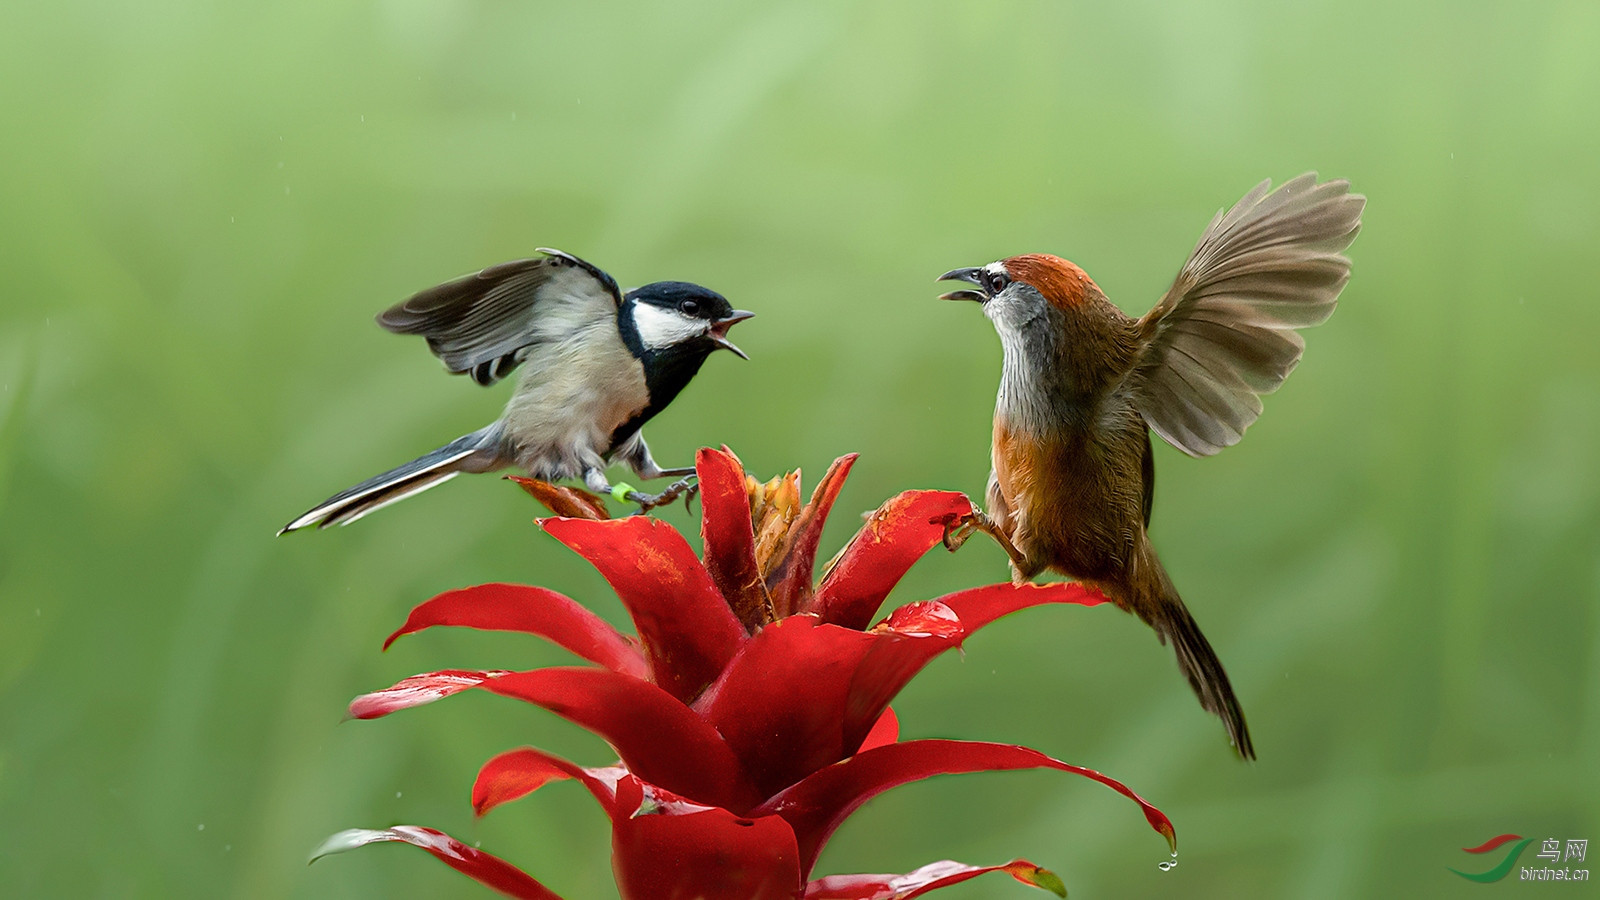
x: 488, y: 322
x: 1224, y: 332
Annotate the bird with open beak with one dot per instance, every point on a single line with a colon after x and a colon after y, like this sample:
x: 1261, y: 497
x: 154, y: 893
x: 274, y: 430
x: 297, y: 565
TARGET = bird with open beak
x: 1083, y: 385
x: 597, y: 364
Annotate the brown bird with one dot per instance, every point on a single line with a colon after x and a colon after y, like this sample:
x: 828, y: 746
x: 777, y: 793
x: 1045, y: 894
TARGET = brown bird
x: 1084, y: 385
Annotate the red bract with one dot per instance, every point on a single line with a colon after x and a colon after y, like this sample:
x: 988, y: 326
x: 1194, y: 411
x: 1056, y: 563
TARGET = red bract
x: 751, y: 714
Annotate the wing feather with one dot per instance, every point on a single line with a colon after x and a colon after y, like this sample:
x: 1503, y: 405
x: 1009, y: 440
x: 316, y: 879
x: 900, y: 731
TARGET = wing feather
x: 1224, y: 332
x: 488, y: 322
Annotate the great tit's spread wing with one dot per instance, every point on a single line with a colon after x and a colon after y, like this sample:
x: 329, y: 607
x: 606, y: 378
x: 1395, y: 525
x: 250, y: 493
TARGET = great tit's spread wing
x: 1224, y: 333
x: 486, y: 323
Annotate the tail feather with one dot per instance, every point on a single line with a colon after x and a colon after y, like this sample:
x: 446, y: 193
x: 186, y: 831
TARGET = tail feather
x: 397, y: 484
x: 1198, y: 662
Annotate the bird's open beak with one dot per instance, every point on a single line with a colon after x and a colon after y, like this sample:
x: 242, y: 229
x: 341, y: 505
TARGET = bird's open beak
x: 968, y: 275
x: 719, y: 331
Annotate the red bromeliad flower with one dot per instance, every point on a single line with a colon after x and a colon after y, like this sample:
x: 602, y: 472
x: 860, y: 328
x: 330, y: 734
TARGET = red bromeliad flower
x: 751, y: 713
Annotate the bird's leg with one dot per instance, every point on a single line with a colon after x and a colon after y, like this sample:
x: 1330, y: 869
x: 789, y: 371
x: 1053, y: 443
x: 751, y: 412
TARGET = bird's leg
x: 956, y: 532
x: 685, y: 487
x: 594, y: 478
x: 959, y: 529
x: 623, y: 492
x: 636, y: 454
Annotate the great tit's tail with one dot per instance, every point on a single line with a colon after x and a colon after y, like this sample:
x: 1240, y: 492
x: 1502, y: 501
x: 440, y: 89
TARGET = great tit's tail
x: 476, y: 452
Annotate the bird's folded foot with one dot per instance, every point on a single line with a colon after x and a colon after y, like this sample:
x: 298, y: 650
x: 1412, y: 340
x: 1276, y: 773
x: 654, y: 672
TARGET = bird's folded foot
x: 957, y: 529
x: 685, y: 487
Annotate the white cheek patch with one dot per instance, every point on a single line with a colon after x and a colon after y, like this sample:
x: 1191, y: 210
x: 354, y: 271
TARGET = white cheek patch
x: 661, y: 328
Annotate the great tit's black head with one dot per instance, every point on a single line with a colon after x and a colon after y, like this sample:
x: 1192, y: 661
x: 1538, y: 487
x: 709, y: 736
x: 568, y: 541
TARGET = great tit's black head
x: 677, y: 315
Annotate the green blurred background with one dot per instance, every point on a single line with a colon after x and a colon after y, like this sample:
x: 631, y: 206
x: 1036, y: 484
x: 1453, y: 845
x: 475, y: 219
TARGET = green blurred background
x: 203, y: 204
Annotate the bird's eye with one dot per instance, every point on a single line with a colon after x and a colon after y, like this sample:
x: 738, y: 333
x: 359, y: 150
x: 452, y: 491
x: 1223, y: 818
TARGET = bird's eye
x: 689, y: 308
x: 996, y: 282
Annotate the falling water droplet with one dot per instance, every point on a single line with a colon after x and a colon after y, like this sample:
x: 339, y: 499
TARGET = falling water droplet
x: 1168, y: 865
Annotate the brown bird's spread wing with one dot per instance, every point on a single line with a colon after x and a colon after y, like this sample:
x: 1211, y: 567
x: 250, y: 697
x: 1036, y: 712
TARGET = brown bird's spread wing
x: 488, y: 322
x: 1224, y: 333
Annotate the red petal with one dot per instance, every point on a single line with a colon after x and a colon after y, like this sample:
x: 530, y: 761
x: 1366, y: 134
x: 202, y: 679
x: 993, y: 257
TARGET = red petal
x: 687, y: 629
x: 817, y: 805
x: 659, y: 739
x: 908, y: 640
x: 928, y: 878
x: 417, y: 691
x: 917, y: 632
x: 534, y: 610
x: 791, y: 583
x: 518, y: 773
x: 978, y: 607
x: 728, y: 535
x: 882, y: 552
x: 802, y: 695
x: 475, y: 864
x: 925, y: 618
x: 886, y: 731
x: 564, y: 501
x: 668, y: 850
x: 781, y: 702
x: 665, y: 846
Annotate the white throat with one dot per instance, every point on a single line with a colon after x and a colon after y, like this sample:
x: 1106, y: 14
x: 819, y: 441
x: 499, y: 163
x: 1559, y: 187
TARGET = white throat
x: 662, y: 328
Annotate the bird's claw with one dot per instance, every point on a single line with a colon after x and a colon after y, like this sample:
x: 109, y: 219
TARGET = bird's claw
x: 686, y: 487
x: 957, y: 528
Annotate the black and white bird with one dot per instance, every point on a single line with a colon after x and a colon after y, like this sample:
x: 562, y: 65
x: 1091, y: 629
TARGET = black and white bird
x: 596, y: 365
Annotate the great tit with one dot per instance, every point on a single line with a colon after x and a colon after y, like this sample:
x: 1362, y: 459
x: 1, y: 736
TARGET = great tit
x: 596, y: 365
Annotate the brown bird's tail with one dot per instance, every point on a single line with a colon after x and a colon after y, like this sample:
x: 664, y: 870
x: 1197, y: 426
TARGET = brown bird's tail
x: 1198, y: 662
